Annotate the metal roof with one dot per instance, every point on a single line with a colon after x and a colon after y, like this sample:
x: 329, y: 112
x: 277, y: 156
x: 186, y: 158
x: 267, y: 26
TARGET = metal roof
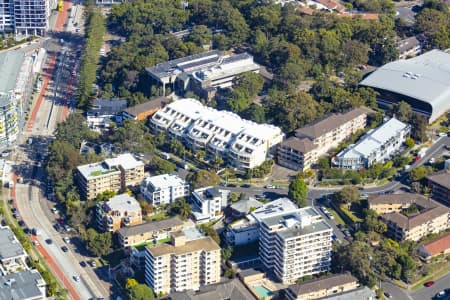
x: 425, y: 78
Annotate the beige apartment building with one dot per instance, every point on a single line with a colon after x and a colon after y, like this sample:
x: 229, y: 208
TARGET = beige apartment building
x: 316, y: 139
x: 114, y: 174
x: 431, y: 217
x: 323, y: 287
x: 119, y: 211
x: 187, y: 263
x: 146, y: 232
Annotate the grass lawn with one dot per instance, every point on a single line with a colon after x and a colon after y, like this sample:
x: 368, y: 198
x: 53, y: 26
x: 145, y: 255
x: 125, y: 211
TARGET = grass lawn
x: 354, y: 213
x: 142, y: 246
x: 336, y: 216
x: 157, y: 217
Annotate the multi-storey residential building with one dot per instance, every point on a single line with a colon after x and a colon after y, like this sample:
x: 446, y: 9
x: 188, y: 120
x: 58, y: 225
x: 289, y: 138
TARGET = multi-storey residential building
x: 316, y: 139
x: 322, y: 287
x: 246, y: 230
x: 121, y: 210
x: 202, y: 73
x: 440, y: 186
x: 147, y: 232
x: 428, y: 217
x: 295, y: 245
x: 208, y: 203
x: 409, y: 47
x: 12, y: 255
x: 164, y: 189
x: 23, y: 285
x: 113, y: 174
x: 104, y: 112
x: 377, y: 145
x: 243, y: 144
x: 188, y: 262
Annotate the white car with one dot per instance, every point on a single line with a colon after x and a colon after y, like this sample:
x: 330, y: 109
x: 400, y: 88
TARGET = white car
x: 76, y: 278
x: 36, y: 243
x: 66, y: 239
x: 54, y: 210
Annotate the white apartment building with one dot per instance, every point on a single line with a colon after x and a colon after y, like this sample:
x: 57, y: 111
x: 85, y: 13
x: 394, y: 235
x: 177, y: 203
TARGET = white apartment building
x: 12, y: 255
x: 316, y: 139
x: 242, y: 143
x: 187, y: 263
x: 208, y: 204
x: 378, y: 145
x: 164, y: 189
x: 246, y: 230
x: 294, y: 245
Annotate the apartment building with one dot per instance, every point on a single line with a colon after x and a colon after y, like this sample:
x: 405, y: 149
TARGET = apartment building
x: 242, y: 143
x: 407, y: 224
x: 440, y: 186
x: 119, y: 211
x: 316, y: 139
x: 187, y: 263
x: 23, y: 285
x: 208, y: 203
x: 164, y: 189
x: 409, y: 47
x: 378, y: 145
x: 114, y: 174
x: 147, y: 232
x: 322, y: 287
x: 12, y: 255
x: 202, y: 73
x: 295, y: 245
x: 246, y: 230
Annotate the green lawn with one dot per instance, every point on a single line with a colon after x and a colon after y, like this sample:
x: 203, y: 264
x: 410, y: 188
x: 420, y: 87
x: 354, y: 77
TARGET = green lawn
x: 336, y: 216
x: 141, y: 247
x: 157, y: 217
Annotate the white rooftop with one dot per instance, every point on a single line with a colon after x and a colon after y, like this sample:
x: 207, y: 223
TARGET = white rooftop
x: 126, y: 161
x: 122, y: 202
x: 275, y: 208
x: 164, y: 181
x: 94, y: 170
x: 374, y: 139
x: 425, y: 77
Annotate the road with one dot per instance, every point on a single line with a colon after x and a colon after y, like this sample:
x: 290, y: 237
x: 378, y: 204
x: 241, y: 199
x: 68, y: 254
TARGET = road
x: 429, y: 292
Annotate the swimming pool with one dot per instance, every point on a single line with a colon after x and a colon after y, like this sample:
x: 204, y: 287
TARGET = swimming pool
x: 262, y: 291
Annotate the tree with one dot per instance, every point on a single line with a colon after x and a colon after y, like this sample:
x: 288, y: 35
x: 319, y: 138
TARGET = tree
x: 249, y: 82
x: 298, y: 192
x: 97, y: 243
x: 419, y: 125
x: 181, y: 207
x: 418, y: 173
x: 409, y: 142
x: 403, y: 111
x: 105, y: 196
x: 140, y: 292
x: 162, y: 166
x: 203, y: 178
x: 130, y: 283
x: 323, y: 162
x: 211, y: 232
x: 348, y: 195
x: 200, y: 35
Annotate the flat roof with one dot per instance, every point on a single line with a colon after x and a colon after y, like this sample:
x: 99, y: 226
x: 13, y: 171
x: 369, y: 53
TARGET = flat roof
x: 107, y: 107
x: 125, y: 160
x: 94, y: 170
x: 22, y: 285
x: 359, y: 293
x: 10, y: 64
x: 325, y: 283
x: 442, y: 178
x: 202, y: 244
x: 9, y: 245
x: 425, y: 77
x: 294, y: 231
x: 164, y: 181
x: 275, y: 208
x: 150, y: 226
x: 122, y: 202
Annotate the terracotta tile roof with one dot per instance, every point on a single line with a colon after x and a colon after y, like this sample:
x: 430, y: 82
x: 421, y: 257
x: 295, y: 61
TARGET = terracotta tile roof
x: 306, y: 10
x: 331, y: 4
x: 439, y: 245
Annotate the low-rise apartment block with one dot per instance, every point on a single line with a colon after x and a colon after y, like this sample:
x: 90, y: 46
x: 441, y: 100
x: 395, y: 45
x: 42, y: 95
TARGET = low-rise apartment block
x: 164, y: 189
x: 104, y: 112
x: 440, y: 186
x: 208, y: 204
x: 147, y: 232
x: 295, y: 245
x: 378, y: 145
x: 202, y: 73
x: 187, y: 263
x: 410, y: 216
x: 323, y: 287
x: 114, y: 174
x: 435, y: 247
x: 12, y: 255
x: 316, y: 139
x: 23, y: 285
x: 119, y: 211
x: 409, y: 47
x: 242, y: 143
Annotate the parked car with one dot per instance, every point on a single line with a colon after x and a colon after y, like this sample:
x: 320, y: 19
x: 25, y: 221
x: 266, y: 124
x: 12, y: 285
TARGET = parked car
x: 66, y: 239
x: 93, y: 263
x: 35, y: 243
x: 83, y: 264
x: 441, y: 295
x: 429, y: 283
x: 49, y: 241
x: 76, y: 278
x: 387, y: 295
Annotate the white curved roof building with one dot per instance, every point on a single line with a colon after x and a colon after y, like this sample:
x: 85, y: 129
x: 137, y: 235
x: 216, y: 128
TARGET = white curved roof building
x: 422, y: 81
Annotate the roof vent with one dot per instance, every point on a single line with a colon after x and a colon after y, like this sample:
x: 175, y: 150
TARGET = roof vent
x: 406, y: 75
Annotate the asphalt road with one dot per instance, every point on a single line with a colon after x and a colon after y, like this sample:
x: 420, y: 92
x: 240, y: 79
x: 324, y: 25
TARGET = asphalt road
x: 426, y: 293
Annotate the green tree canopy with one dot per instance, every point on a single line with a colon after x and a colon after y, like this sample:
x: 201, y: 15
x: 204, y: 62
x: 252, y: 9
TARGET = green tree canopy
x: 203, y: 178
x: 140, y: 292
x: 298, y: 192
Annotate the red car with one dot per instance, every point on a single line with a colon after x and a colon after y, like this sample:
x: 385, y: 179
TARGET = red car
x: 429, y: 283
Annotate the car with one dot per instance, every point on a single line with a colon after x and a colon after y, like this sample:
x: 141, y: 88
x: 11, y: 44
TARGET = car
x: 11, y: 201
x: 21, y: 223
x: 330, y: 216
x: 66, y: 239
x: 93, y: 263
x: 64, y: 248
x: 441, y: 134
x: 36, y: 243
x: 16, y: 215
x: 347, y: 233
x: 431, y: 161
x: 57, y: 227
x: 429, y: 283
x: 270, y: 187
x: 83, y: 263
x: 13, y: 209
x: 387, y: 295
x: 6, y: 153
x: 4, y: 223
x: 441, y: 295
x: 55, y: 210
x: 76, y: 278
x: 364, y: 196
x: 67, y: 228
x: 49, y: 241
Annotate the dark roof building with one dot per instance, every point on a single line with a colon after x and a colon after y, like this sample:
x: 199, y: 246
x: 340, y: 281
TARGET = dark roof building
x: 104, y: 112
x: 440, y: 186
x: 25, y: 285
x: 144, y: 110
